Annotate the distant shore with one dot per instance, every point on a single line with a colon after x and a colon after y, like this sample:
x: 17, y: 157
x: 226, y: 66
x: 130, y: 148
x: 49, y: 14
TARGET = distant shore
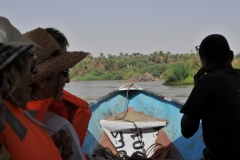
x: 174, y: 69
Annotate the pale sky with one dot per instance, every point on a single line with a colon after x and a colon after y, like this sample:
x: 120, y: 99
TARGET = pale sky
x: 114, y: 26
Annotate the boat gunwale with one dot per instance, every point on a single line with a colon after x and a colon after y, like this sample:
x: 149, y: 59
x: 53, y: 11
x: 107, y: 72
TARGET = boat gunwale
x: 159, y: 96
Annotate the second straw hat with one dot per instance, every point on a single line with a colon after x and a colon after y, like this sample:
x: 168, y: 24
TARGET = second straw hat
x: 52, y: 59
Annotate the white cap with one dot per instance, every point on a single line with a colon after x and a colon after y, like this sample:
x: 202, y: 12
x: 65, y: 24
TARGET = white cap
x: 10, y: 35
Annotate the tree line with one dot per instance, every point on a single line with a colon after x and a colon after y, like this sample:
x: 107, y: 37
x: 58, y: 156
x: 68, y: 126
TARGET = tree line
x: 173, y: 68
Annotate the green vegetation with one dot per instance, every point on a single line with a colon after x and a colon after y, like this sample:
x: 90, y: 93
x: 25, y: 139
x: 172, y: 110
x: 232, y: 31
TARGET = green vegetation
x: 177, y: 73
x: 175, y: 69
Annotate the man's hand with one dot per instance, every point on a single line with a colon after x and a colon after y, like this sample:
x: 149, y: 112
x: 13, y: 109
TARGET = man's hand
x: 199, y: 74
x: 64, y: 142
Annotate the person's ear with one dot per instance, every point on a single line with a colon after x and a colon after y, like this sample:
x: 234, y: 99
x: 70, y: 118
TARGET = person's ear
x: 205, y: 60
x: 40, y: 84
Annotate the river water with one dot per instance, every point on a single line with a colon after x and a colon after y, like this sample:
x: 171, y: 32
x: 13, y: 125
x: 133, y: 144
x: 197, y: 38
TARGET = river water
x: 91, y: 90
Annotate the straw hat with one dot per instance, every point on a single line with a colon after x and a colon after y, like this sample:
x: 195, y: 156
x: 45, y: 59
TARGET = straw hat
x: 12, y: 43
x: 52, y: 59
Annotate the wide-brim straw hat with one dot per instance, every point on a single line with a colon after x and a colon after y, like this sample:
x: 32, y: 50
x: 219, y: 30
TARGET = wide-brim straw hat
x: 12, y: 43
x: 52, y: 59
x: 55, y: 65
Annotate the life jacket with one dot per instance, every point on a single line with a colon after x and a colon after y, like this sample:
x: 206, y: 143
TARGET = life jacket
x: 79, y: 114
x: 72, y: 108
x: 78, y: 108
x: 55, y: 122
x: 40, y: 106
x: 24, y: 139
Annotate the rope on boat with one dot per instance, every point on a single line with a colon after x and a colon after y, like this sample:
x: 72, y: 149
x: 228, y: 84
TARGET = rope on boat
x: 124, y: 115
x: 126, y: 106
x: 106, y: 151
x: 150, y: 148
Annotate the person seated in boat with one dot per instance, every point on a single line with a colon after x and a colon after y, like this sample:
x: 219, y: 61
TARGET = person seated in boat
x: 9, y: 52
x: 23, y: 136
x: 47, y: 93
x: 78, y: 111
x: 214, y: 100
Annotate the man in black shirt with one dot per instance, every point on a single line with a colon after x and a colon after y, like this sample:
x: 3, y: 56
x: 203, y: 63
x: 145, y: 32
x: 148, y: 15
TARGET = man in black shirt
x: 215, y: 99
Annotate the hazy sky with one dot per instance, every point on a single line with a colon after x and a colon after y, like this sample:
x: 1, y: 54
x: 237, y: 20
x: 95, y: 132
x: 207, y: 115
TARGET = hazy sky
x: 114, y: 26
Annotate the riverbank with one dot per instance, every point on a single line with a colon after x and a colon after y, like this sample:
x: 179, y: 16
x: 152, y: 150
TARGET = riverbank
x: 177, y: 69
x: 173, y: 69
x: 172, y: 77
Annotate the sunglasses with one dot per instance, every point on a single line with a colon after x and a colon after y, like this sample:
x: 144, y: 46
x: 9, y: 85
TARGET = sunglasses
x: 65, y: 73
x: 34, y: 65
x: 199, y: 51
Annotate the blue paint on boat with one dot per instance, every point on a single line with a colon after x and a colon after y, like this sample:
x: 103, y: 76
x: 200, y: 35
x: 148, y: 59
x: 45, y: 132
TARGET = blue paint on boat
x: 151, y: 104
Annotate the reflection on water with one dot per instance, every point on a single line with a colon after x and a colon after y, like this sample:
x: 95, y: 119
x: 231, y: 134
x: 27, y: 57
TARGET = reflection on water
x: 91, y: 90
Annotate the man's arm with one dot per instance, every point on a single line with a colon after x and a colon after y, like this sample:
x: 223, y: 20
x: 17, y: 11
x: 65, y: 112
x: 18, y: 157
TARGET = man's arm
x: 189, y: 125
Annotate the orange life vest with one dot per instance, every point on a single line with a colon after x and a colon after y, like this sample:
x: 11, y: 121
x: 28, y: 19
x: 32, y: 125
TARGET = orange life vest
x: 24, y: 139
x: 74, y: 109
x: 40, y: 107
x: 80, y: 114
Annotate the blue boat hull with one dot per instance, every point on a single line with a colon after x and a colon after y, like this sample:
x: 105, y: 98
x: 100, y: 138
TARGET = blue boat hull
x: 151, y: 104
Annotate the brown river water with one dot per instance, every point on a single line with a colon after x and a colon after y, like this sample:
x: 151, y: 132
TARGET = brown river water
x: 91, y: 90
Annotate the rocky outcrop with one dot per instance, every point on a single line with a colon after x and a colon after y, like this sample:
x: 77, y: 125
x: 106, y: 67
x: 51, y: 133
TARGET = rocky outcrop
x: 146, y: 77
